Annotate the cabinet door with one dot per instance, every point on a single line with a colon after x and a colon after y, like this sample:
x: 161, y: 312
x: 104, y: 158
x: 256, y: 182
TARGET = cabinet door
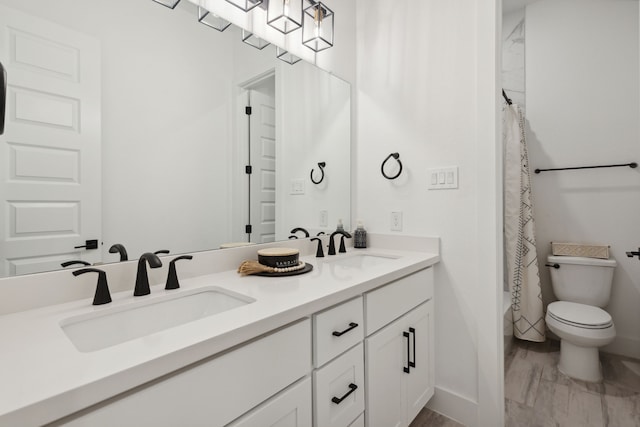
x: 386, y: 358
x: 420, y: 380
x: 290, y: 408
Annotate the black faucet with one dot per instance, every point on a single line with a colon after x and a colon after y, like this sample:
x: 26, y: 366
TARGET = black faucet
x: 102, y: 295
x: 319, y: 251
x: 332, y: 246
x: 142, y: 280
x: 172, y: 277
x: 74, y: 262
x: 118, y: 248
x: 295, y: 230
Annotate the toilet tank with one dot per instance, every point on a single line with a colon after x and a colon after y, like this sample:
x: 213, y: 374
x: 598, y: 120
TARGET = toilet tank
x: 582, y: 280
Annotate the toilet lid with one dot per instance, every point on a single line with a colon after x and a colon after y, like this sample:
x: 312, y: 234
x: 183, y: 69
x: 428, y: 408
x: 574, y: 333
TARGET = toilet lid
x: 580, y: 315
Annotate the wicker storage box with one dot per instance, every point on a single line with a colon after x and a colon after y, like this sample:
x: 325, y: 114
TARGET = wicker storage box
x: 577, y: 249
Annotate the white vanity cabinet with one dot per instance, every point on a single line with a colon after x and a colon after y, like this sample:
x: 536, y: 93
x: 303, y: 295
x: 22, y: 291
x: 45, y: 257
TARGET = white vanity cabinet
x: 399, y: 356
x: 215, y: 391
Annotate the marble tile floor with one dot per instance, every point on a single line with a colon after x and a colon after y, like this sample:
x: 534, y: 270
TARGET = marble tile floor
x: 538, y: 395
x: 428, y: 418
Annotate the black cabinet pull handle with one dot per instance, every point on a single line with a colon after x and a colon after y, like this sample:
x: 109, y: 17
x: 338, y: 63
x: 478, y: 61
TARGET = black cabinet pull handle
x: 338, y: 400
x: 352, y: 326
x: 413, y: 364
x: 406, y: 368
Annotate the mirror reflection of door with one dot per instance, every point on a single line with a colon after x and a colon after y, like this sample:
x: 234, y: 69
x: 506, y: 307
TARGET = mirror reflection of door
x: 51, y: 192
x: 262, y: 159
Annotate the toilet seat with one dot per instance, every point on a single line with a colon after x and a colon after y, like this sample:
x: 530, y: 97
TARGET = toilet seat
x: 579, y: 315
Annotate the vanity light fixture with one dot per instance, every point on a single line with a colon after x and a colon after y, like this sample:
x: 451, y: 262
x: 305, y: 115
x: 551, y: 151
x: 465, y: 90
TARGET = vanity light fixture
x: 253, y: 40
x: 212, y: 20
x: 245, y: 5
x: 317, y: 26
x: 171, y: 4
x: 284, y: 15
x: 285, y: 56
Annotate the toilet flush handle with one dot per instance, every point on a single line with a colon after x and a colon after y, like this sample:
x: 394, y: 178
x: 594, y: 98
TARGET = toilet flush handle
x: 554, y: 265
x: 632, y: 254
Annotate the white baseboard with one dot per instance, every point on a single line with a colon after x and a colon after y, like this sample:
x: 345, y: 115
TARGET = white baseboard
x: 454, y: 406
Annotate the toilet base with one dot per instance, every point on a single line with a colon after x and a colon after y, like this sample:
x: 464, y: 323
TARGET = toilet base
x: 581, y: 363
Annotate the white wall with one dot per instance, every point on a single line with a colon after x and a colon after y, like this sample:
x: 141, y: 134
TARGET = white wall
x: 426, y: 89
x: 513, y: 67
x: 583, y: 108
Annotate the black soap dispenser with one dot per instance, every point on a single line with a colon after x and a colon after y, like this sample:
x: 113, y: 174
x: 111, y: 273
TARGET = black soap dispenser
x: 360, y: 237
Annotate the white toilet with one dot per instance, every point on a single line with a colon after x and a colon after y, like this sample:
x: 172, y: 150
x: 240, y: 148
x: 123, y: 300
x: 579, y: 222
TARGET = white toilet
x: 582, y: 286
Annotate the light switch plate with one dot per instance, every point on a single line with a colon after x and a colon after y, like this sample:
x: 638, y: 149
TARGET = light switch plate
x: 442, y: 178
x: 324, y: 218
x: 297, y: 186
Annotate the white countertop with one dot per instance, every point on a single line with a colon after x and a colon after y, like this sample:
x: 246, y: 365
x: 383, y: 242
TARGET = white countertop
x: 44, y: 377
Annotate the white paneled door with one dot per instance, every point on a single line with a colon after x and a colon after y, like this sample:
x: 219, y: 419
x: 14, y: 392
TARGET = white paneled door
x: 50, y: 187
x: 263, y: 162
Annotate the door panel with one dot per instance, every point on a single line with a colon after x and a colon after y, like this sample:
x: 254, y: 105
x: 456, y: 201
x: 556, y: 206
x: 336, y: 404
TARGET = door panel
x: 51, y: 189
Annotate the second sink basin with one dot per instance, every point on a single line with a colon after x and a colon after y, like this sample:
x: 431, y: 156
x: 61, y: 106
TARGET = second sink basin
x: 111, y: 326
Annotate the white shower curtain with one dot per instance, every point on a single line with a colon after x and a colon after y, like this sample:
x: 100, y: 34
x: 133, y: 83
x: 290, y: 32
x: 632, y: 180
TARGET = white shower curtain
x: 519, y: 231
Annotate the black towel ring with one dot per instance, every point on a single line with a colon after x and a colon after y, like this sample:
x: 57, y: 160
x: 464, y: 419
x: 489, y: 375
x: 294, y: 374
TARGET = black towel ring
x: 395, y: 156
x: 321, y: 165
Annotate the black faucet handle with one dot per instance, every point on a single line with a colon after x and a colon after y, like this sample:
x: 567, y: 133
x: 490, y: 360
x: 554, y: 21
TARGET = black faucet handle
x: 319, y: 251
x: 161, y: 252
x: 172, y: 277
x: 342, y: 249
x: 74, y: 262
x: 102, y: 295
x: 119, y: 248
x: 292, y: 237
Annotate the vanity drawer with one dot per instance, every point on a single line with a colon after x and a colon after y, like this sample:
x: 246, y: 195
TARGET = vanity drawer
x: 339, y: 390
x: 389, y: 302
x: 336, y: 330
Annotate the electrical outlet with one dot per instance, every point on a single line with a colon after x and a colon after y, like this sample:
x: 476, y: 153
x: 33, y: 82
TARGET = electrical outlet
x: 324, y: 218
x: 396, y: 221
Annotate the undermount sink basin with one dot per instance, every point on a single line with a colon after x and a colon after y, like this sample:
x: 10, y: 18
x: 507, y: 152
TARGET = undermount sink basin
x: 362, y: 261
x: 108, y: 327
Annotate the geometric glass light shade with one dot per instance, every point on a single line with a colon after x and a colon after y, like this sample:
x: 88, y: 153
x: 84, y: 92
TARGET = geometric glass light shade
x: 252, y: 40
x: 212, y: 20
x: 245, y: 5
x: 171, y: 4
x: 285, y: 15
x: 317, y: 27
x: 285, y: 56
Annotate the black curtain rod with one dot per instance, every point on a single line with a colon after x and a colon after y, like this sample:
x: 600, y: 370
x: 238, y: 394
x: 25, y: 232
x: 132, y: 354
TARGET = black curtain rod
x: 506, y: 98
x: 632, y: 165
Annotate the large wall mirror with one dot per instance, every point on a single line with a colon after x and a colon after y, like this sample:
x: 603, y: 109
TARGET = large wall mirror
x: 126, y: 124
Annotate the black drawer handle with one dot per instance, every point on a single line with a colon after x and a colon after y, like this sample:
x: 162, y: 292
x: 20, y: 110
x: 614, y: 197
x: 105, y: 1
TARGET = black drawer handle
x: 413, y: 364
x: 352, y: 325
x: 338, y: 400
x: 406, y: 368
